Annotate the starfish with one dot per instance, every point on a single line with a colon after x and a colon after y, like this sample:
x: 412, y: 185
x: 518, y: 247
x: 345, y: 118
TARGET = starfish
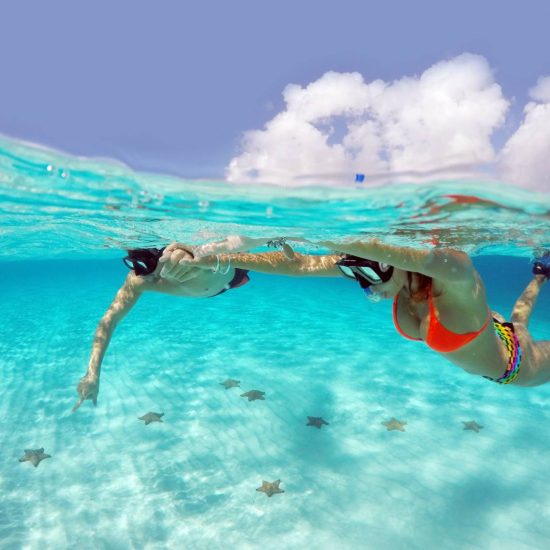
x: 394, y: 424
x: 230, y: 383
x: 254, y: 394
x: 472, y: 425
x: 316, y: 421
x: 151, y: 417
x: 270, y: 489
x: 34, y: 456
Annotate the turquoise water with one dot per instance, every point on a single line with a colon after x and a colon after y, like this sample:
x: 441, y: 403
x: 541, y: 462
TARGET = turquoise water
x: 315, y: 346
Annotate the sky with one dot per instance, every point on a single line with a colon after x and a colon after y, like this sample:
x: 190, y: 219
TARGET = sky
x: 288, y: 92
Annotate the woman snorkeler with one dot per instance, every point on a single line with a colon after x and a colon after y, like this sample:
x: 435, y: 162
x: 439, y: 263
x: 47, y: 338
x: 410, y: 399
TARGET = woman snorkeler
x: 439, y: 298
x: 148, y: 273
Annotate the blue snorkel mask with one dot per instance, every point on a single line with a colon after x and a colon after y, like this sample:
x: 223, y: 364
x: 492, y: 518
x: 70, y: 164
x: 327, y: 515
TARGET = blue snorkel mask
x: 366, y: 272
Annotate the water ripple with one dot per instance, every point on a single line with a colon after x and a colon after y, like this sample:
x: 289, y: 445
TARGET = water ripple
x: 55, y: 204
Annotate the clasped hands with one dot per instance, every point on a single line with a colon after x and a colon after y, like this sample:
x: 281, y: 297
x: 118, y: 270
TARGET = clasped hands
x: 179, y: 259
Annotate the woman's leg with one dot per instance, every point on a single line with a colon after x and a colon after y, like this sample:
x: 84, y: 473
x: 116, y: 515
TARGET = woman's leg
x: 535, y: 363
x: 526, y: 302
x: 536, y: 354
x: 542, y: 359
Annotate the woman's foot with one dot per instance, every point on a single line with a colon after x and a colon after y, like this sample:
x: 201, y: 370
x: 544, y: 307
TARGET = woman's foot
x: 541, y: 265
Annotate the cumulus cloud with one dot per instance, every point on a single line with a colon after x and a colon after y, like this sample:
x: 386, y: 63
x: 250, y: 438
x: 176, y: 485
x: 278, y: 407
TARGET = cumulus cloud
x: 440, y: 122
x: 541, y: 92
x: 525, y: 158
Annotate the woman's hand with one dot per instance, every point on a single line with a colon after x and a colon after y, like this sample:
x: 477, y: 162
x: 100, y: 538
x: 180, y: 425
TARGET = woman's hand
x: 87, y: 388
x: 178, y: 261
x: 172, y: 247
x: 171, y: 269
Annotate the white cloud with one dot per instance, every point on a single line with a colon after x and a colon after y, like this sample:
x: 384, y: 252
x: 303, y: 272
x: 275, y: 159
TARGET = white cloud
x: 440, y: 122
x: 541, y: 92
x: 525, y: 158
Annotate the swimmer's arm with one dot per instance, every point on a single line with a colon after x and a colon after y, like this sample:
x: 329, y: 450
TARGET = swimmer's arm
x: 287, y: 262
x: 280, y: 263
x: 125, y: 299
x: 123, y: 302
x: 444, y: 264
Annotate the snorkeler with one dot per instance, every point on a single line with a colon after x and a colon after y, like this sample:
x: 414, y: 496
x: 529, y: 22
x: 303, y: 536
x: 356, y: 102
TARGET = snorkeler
x: 147, y: 273
x: 439, y: 298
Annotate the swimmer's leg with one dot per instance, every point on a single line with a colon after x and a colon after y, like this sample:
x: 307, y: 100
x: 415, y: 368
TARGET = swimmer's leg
x: 535, y: 368
x: 526, y: 302
x: 542, y: 351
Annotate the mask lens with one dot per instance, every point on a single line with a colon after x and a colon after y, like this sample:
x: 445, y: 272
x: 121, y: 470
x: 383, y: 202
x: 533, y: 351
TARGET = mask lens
x: 369, y: 274
x: 347, y: 271
x: 128, y: 262
x: 138, y: 266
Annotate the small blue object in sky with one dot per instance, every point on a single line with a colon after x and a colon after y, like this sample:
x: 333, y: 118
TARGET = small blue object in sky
x: 359, y: 178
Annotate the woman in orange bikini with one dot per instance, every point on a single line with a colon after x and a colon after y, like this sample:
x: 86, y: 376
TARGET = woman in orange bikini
x: 439, y: 298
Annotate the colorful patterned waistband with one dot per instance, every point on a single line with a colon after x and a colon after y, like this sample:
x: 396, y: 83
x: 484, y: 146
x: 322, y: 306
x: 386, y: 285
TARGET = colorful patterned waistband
x: 505, y: 332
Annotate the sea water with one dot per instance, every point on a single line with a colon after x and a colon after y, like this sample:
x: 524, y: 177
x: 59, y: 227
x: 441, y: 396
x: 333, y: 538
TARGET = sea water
x: 316, y: 347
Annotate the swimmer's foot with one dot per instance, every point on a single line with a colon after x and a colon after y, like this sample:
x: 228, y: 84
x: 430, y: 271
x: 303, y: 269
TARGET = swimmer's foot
x: 541, y: 265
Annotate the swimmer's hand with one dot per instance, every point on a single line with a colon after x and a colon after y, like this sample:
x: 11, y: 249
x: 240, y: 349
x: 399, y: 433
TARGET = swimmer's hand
x: 288, y: 251
x: 283, y: 245
x: 87, y: 388
x: 172, y: 268
x: 172, y: 247
x: 182, y: 267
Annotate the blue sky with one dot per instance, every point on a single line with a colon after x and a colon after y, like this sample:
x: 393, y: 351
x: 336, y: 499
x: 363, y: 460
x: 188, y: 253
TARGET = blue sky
x: 172, y: 86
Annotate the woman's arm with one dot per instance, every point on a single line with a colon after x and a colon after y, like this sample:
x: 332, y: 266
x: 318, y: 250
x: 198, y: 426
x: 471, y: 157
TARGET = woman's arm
x: 440, y: 263
x: 274, y: 263
x: 123, y: 302
x: 177, y: 261
x: 280, y: 263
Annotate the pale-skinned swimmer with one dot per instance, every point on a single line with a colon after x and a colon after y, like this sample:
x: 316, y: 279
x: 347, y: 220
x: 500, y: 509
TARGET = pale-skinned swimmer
x: 150, y: 272
x: 439, y: 298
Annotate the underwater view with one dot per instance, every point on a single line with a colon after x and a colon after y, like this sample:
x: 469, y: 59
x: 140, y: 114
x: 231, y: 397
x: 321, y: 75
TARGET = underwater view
x: 289, y: 412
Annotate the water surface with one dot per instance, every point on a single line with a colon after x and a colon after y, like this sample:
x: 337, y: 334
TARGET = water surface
x: 315, y: 346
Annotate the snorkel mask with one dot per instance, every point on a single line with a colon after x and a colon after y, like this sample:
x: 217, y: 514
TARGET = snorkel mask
x: 365, y: 272
x: 143, y: 260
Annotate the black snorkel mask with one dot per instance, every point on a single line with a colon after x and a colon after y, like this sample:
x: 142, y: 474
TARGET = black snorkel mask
x: 365, y: 272
x: 143, y: 261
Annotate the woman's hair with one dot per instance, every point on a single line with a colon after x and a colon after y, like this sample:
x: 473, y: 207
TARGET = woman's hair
x: 422, y: 286
x: 139, y: 253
